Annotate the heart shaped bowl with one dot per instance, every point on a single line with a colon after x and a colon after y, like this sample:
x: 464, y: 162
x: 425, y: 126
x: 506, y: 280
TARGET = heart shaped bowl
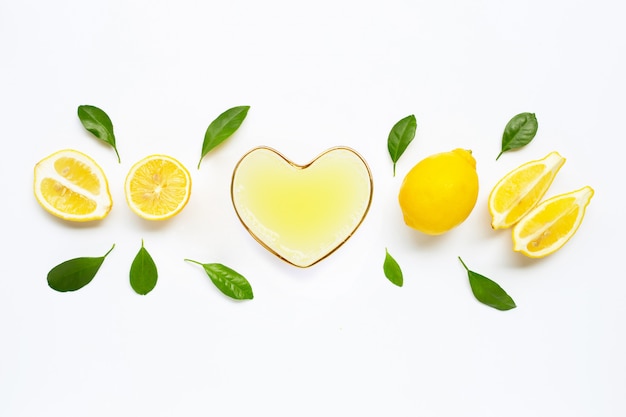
x: 302, y: 213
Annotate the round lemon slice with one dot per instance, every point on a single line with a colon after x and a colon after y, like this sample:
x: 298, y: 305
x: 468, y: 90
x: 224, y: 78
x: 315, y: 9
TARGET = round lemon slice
x: 157, y: 187
x: 550, y: 225
x: 72, y: 186
x: 521, y: 189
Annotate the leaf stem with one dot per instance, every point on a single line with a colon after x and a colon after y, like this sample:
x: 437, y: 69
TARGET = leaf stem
x: 195, y: 262
x: 105, y: 255
x: 464, y: 266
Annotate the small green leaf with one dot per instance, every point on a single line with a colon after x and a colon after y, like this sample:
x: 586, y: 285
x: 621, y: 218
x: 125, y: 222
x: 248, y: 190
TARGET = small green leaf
x: 75, y: 273
x: 392, y: 270
x: 98, y: 122
x: 222, y: 128
x: 227, y: 280
x: 143, y: 272
x: 401, y: 135
x: 519, y: 132
x: 487, y: 291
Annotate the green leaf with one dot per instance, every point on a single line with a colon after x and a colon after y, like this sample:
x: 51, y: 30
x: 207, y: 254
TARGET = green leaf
x: 401, y: 135
x: 222, y: 128
x: 75, y: 273
x: 392, y: 270
x: 519, y: 132
x: 227, y: 280
x: 96, y: 121
x: 143, y: 272
x: 487, y: 291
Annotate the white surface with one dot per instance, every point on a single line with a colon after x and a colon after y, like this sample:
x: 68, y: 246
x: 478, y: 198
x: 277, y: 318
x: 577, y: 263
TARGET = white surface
x: 337, y: 338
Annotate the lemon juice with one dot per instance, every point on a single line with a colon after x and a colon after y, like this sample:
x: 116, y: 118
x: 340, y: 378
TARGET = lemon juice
x: 301, y: 213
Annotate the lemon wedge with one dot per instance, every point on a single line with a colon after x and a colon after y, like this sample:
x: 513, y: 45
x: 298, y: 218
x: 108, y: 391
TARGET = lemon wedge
x: 521, y: 189
x: 72, y: 186
x: 551, y: 224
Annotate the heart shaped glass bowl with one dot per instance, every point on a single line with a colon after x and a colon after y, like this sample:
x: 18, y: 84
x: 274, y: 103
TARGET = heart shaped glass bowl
x: 302, y: 213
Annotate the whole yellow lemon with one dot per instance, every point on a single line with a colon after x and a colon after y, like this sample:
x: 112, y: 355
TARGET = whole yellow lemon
x: 439, y: 192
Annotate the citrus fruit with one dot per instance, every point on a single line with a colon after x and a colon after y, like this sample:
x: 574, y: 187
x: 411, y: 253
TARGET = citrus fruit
x: 551, y: 224
x: 157, y: 187
x: 439, y: 192
x: 521, y: 189
x: 72, y: 186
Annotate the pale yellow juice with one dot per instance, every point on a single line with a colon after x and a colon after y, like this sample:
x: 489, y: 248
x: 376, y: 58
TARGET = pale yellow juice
x: 302, y: 213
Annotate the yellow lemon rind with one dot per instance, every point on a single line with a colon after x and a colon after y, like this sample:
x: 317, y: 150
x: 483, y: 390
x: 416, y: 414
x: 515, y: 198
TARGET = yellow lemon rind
x: 423, y: 206
x: 523, y: 243
x: 45, y: 169
x: 500, y: 219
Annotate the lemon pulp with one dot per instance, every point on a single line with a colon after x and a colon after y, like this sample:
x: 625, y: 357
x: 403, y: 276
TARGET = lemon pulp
x: 551, y: 224
x: 72, y: 186
x: 521, y: 189
x: 158, y: 187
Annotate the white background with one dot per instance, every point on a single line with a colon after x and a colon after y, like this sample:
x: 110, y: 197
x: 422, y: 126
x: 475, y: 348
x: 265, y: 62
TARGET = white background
x: 337, y: 338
